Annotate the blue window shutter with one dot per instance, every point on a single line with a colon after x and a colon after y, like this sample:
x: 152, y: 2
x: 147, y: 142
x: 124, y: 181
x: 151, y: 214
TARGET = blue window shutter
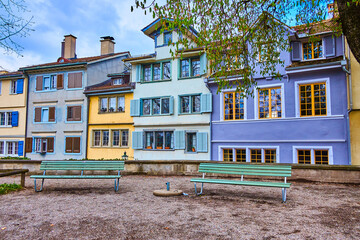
x: 202, y: 142
x: 20, y: 86
x: 203, y: 64
x: 21, y: 148
x: 329, y: 46
x: 179, y: 139
x: 296, y: 51
x: 135, y: 107
x: 206, y: 102
x: 138, y: 73
x: 171, y: 105
x: 15, y: 119
x: 137, y: 140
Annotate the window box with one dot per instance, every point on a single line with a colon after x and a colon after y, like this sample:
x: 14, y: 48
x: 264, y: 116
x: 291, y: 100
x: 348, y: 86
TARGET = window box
x: 111, y: 109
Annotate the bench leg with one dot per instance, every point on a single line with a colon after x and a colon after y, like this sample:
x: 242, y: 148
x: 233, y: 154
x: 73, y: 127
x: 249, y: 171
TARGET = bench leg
x: 42, y: 184
x: 284, y: 195
x: 116, y: 184
x: 202, y: 186
x: 23, y: 180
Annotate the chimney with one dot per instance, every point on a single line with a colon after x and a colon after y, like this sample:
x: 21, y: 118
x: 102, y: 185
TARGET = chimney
x: 68, y: 47
x: 107, y: 45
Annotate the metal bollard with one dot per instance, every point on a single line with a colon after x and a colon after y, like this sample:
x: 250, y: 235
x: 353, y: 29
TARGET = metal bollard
x: 168, y: 186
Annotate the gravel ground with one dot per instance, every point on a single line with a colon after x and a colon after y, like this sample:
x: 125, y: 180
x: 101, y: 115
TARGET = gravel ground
x: 78, y: 209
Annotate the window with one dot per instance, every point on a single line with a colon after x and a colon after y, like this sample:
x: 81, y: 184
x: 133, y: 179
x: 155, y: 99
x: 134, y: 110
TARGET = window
x: 190, y: 104
x: 105, y: 138
x: 2, y: 148
x: 191, y: 142
x: 112, y: 104
x: 304, y: 156
x: 73, y: 113
x: 312, y: 50
x: 156, y: 106
x: 270, y: 155
x: 240, y: 155
x: 72, y: 145
x: 118, y: 81
x: 96, y: 137
x: 44, y: 114
x: 313, y: 99
x: 321, y: 156
x: 255, y: 155
x: 189, y: 67
x: 156, y: 72
x: 12, y: 148
x: 269, y: 100
x: 227, y: 155
x: 159, y: 140
x: 313, y: 155
x: 44, y: 144
x: 116, y: 141
x: 49, y: 82
x: 5, y: 119
x: 75, y: 80
x: 233, y: 106
x: 167, y: 38
x: 13, y: 87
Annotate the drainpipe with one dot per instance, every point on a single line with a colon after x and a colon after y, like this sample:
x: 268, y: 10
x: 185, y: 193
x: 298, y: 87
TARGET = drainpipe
x: 348, y: 72
x: 210, y: 134
x: 87, y: 127
x: 27, y: 109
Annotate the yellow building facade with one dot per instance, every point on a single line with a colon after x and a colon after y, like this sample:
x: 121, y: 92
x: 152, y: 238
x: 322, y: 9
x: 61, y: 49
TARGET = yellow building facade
x: 354, y: 106
x: 13, y: 97
x: 110, y: 125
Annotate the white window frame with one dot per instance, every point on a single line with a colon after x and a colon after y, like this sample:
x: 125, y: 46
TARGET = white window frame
x: 312, y: 149
x: 4, y: 150
x: 248, y: 148
x: 7, y: 124
x: 14, y: 145
x: 13, y: 89
x: 39, y: 143
x: 297, y: 96
x: 256, y: 103
x: 222, y: 117
x: 191, y: 102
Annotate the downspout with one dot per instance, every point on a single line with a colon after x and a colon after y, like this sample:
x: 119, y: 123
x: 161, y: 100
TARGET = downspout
x: 210, y: 134
x: 26, y: 109
x: 348, y: 72
x: 87, y: 127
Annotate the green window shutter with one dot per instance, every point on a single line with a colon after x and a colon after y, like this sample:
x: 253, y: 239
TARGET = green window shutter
x: 203, y: 64
x: 206, y: 103
x: 202, y: 142
x: 171, y: 105
x: 137, y: 140
x: 138, y: 73
x: 135, y: 107
x: 179, y: 67
x: 179, y: 139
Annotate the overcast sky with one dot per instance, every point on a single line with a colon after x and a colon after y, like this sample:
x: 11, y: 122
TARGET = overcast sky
x: 88, y: 20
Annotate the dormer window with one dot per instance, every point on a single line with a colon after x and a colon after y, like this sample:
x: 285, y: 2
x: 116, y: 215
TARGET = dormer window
x: 167, y: 38
x: 312, y: 50
x: 117, y: 81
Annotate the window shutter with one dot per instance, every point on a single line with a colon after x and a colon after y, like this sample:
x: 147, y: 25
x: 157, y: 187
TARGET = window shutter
x: 20, y: 86
x: 77, y: 113
x: 171, y: 105
x: 50, y: 144
x: 296, y: 51
x: 71, y: 80
x: 329, y: 46
x: 135, y: 107
x: 179, y: 67
x: 76, y: 143
x: 203, y: 64
x: 28, y: 145
x: 21, y: 148
x: 137, y: 140
x: 51, y: 114
x: 138, y: 73
x: 39, y: 83
x: 68, y: 116
x: 78, y: 80
x: 60, y: 81
x: 68, y: 144
x: 15, y: 119
x: 206, y: 102
x: 202, y: 143
x: 179, y: 139
x: 38, y: 114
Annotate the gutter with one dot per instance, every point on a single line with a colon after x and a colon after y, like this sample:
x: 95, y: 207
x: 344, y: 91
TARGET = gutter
x: 52, y: 66
x: 314, y: 66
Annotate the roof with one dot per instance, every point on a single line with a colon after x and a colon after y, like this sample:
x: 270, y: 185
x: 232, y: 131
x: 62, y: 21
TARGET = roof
x: 316, y: 28
x: 66, y: 62
x: 140, y: 57
x: 314, y: 62
x: 11, y: 74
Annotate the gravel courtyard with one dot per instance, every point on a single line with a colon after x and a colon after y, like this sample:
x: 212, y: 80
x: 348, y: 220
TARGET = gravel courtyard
x: 90, y: 209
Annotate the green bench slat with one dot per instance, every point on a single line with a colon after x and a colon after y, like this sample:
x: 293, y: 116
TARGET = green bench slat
x: 83, y: 168
x: 75, y: 176
x: 239, y: 165
x: 82, y: 165
x: 236, y: 182
x: 250, y: 173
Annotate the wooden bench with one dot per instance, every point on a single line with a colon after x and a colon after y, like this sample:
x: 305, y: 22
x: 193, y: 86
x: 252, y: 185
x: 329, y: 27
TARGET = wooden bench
x: 5, y: 172
x: 80, y: 166
x: 244, y: 169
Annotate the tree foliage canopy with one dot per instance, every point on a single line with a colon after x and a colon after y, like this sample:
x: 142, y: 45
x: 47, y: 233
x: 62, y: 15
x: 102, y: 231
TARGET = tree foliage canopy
x: 241, y: 37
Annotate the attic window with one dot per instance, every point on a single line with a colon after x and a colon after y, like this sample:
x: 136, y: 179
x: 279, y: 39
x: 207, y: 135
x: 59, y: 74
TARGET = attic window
x: 167, y: 38
x: 312, y: 50
x: 117, y: 81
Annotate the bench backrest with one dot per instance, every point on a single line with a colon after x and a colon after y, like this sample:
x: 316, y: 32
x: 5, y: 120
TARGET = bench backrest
x: 246, y: 169
x: 82, y: 165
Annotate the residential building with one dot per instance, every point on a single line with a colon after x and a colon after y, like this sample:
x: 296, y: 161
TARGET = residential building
x: 57, y: 107
x: 300, y: 118
x: 13, y: 96
x: 172, y: 105
x: 109, y: 123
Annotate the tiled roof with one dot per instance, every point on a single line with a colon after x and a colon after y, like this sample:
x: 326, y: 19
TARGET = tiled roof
x: 75, y: 60
x: 314, y: 62
x: 11, y: 74
x: 315, y: 28
x: 109, y: 86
